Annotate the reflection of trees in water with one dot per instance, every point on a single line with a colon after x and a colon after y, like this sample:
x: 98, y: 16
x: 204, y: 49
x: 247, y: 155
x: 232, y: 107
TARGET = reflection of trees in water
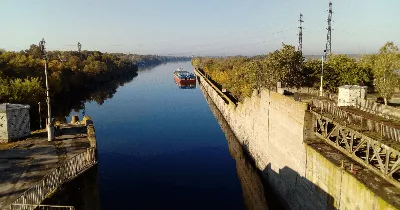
x: 75, y: 99
x: 82, y: 192
x: 148, y: 67
x: 249, y: 177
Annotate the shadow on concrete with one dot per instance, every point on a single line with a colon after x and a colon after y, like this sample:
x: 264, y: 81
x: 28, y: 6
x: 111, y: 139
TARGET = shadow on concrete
x: 81, y: 192
x: 284, y: 189
x: 295, y: 191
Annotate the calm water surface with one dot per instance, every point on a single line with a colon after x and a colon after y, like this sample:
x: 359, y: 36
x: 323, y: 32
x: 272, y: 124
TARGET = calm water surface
x: 160, y: 147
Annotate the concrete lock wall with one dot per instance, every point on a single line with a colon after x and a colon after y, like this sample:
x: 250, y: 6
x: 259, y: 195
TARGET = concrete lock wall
x: 3, y: 127
x: 273, y: 128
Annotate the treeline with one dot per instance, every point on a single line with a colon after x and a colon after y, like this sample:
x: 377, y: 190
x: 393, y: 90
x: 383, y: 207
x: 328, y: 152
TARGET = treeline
x: 241, y: 75
x: 145, y: 60
x: 22, y: 78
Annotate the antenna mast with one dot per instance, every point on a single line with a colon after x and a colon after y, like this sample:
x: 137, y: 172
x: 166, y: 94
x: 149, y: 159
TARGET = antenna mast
x: 79, y: 47
x: 328, y: 49
x: 300, y: 48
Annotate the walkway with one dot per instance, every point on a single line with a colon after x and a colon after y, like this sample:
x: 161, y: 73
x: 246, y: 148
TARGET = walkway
x: 30, y: 160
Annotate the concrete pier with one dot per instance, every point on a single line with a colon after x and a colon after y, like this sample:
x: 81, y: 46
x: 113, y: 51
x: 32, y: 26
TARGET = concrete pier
x: 26, y: 163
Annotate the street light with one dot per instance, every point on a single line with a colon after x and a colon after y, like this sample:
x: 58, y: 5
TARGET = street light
x: 49, y: 123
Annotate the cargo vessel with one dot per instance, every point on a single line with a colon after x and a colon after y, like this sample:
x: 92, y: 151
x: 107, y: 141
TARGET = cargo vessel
x: 183, y: 77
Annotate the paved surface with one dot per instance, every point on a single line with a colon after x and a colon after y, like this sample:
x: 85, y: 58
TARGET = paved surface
x: 30, y: 160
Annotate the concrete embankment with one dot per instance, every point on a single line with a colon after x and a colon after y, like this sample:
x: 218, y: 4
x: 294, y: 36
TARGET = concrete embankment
x: 277, y: 132
x: 34, y: 168
x: 254, y: 194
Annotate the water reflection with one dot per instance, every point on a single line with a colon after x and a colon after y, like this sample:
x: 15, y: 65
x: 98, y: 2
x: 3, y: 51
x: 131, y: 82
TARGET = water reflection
x: 82, y: 192
x: 97, y: 92
x: 186, y: 85
x: 254, y: 195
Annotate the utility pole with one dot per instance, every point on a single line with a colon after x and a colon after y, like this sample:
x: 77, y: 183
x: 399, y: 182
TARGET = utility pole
x: 40, y: 117
x: 49, y: 123
x: 321, y: 93
x: 79, y: 47
x: 300, y: 48
x: 328, y: 48
x: 80, y: 56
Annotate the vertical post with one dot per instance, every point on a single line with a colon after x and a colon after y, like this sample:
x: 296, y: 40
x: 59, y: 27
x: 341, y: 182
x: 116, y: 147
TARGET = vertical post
x: 40, y: 117
x: 50, y: 128
x: 49, y: 123
x: 300, y: 48
x: 322, y: 78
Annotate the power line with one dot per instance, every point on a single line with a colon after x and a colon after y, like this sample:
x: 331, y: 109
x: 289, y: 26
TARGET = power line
x: 223, y: 48
x: 241, y: 39
x: 228, y: 32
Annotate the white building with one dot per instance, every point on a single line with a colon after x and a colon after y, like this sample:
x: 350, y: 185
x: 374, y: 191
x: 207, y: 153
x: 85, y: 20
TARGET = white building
x: 348, y: 94
x: 14, y: 122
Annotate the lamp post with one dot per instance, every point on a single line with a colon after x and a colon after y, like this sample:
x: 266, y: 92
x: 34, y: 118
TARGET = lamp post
x: 49, y: 123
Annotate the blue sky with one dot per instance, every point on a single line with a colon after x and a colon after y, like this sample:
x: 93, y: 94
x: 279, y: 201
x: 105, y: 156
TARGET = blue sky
x: 206, y: 27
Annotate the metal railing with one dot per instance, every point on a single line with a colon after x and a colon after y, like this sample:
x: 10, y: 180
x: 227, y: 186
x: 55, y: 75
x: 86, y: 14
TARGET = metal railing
x: 40, y: 207
x: 222, y: 94
x: 63, y: 173
x: 384, y: 129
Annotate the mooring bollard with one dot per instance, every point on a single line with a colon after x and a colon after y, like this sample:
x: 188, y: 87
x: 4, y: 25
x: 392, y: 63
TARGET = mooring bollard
x: 74, y: 119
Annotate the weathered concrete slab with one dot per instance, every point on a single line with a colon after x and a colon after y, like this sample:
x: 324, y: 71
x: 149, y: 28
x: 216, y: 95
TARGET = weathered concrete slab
x: 30, y: 160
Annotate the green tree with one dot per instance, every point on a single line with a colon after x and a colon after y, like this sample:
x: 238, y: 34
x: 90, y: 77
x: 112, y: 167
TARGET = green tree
x: 384, y: 66
x: 95, y: 68
x: 4, y: 88
x: 312, y: 73
x: 27, y: 90
x: 342, y: 70
x: 34, y: 51
x: 286, y: 66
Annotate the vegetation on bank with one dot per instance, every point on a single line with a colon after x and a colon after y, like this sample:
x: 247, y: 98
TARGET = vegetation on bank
x: 22, y: 78
x: 74, y: 78
x: 241, y: 75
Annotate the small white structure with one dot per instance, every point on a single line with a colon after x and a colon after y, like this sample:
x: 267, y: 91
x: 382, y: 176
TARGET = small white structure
x: 14, y: 122
x: 348, y: 94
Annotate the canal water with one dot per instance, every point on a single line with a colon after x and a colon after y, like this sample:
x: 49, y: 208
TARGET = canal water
x: 161, y: 147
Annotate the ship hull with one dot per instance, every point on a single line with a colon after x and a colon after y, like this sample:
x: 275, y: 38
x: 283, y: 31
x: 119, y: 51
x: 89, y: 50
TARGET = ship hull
x: 184, y: 81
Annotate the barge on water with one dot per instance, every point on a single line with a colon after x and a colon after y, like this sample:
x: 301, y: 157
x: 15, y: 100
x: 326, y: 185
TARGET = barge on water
x: 184, y: 77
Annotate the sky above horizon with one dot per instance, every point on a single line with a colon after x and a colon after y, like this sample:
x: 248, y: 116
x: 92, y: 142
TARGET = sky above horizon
x: 207, y: 27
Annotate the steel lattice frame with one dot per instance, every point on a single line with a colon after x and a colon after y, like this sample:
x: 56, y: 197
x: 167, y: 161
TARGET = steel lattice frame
x: 372, y: 154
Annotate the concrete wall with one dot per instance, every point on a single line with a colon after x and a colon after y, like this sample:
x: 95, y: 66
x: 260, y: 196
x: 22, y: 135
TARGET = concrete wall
x: 254, y: 194
x: 274, y: 129
x: 3, y: 127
